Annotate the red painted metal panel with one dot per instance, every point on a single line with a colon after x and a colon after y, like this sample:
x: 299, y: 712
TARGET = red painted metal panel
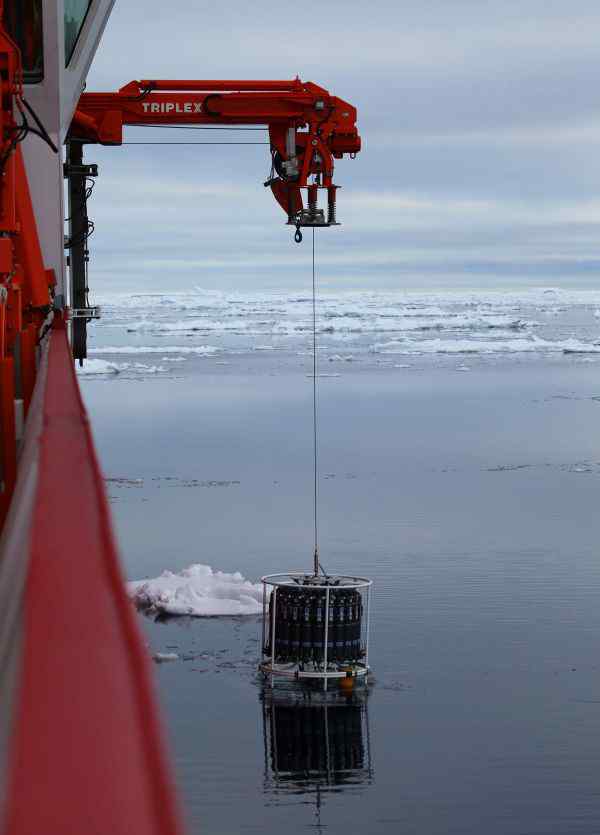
x: 28, y: 363
x: 27, y: 245
x: 86, y: 754
x: 8, y: 449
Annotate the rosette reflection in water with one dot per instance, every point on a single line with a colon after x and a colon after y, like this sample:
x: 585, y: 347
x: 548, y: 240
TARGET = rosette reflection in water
x: 315, y: 742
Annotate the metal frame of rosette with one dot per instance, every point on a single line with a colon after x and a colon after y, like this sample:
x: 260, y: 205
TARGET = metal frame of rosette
x: 315, y: 628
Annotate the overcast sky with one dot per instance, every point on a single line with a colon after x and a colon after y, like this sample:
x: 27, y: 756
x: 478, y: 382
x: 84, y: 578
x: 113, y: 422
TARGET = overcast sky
x: 481, y: 146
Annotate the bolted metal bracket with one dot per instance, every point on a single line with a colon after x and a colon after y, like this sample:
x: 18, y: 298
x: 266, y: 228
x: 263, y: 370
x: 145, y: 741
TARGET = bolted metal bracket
x: 90, y: 170
x: 309, y: 218
x: 87, y: 313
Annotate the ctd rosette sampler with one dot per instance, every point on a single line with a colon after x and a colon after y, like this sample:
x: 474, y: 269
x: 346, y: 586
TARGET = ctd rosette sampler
x: 316, y: 627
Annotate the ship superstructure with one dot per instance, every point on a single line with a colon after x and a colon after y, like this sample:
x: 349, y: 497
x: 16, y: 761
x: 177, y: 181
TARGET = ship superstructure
x: 58, y: 40
x: 80, y: 743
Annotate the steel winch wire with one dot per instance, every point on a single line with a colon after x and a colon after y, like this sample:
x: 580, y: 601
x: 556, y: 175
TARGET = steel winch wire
x: 315, y: 460
x: 317, y: 562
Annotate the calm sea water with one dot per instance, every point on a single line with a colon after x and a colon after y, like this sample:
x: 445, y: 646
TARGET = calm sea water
x: 465, y: 485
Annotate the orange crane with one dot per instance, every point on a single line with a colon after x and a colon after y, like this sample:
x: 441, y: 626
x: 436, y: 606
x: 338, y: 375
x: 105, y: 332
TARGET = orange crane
x: 308, y: 129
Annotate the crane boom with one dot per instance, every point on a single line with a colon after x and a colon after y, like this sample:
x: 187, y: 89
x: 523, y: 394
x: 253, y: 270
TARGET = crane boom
x: 308, y: 128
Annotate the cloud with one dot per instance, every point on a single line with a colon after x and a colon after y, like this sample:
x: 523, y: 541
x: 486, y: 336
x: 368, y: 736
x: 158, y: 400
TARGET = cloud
x: 480, y: 124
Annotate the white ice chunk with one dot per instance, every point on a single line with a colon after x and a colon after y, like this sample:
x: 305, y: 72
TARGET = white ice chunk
x: 161, y: 657
x: 98, y: 367
x: 94, y: 367
x: 198, y: 590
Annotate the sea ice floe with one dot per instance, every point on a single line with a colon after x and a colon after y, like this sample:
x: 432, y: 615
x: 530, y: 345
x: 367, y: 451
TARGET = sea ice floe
x: 482, y: 346
x: 201, y: 350
x: 573, y: 346
x: 413, y: 322
x: 93, y: 367
x: 454, y: 346
x: 199, y: 591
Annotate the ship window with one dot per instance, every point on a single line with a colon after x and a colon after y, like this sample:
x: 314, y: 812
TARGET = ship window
x: 75, y: 14
x: 23, y: 21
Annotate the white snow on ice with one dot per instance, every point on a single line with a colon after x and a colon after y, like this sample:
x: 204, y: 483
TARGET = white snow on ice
x: 198, y: 590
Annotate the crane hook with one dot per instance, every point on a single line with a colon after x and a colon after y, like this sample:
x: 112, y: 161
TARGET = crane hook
x: 298, y: 235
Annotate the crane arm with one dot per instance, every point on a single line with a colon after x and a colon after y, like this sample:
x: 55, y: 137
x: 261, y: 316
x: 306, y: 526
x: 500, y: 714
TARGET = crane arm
x: 308, y: 128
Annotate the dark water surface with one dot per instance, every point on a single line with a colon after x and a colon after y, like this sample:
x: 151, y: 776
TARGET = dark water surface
x: 470, y: 499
